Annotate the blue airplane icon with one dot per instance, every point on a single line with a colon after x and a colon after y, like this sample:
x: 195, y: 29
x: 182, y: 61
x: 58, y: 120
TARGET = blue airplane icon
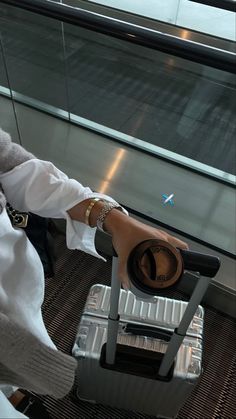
x: 168, y: 199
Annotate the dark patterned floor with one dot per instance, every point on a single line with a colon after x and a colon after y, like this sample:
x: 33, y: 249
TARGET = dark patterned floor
x: 213, y: 398
x: 180, y: 106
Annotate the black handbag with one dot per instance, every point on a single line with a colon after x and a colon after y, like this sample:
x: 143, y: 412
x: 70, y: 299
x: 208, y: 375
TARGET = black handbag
x: 36, y: 229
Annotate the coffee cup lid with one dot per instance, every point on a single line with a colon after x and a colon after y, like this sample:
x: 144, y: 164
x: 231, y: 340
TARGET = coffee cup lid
x: 154, y: 265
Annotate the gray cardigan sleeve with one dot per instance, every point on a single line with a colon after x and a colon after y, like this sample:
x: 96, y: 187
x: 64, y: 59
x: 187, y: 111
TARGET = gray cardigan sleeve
x: 28, y: 363
x: 11, y: 154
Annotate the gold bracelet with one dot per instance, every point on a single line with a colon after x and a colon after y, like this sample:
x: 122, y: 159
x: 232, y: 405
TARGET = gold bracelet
x: 89, y: 209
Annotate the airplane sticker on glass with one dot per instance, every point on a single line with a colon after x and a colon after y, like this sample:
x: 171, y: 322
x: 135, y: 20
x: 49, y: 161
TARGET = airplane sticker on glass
x: 168, y: 199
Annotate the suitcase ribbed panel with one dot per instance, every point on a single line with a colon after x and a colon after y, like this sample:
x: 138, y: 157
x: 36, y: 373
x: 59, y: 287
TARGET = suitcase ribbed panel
x: 130, y: 392
x: 161, y: 312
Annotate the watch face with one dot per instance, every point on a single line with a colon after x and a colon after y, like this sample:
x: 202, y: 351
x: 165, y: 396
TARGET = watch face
x: 155, y: 264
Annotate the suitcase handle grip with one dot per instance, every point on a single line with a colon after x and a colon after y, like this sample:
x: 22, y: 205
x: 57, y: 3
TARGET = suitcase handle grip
x: 206, y: 265
x: 164, y: 266
x: 148, y: 331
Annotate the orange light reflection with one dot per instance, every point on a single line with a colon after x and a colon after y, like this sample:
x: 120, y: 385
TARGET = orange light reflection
x: 184, y: 34
x: 112, y: 170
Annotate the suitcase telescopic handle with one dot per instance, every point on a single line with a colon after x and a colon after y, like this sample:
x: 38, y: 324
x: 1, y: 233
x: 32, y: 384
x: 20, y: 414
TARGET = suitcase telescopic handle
x: 206, y: 265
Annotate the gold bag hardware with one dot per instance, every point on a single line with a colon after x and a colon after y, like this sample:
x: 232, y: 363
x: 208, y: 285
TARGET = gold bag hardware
x: 18, y: 219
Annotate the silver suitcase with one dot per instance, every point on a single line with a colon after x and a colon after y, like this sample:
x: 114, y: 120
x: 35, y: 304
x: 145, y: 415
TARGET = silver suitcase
x: 123, y: 361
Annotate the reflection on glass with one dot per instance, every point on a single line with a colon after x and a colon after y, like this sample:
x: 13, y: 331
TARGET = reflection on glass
x: 184, y: 34
x: 112, y: 171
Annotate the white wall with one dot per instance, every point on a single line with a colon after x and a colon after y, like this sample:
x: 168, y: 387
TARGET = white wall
x: 183, y: 13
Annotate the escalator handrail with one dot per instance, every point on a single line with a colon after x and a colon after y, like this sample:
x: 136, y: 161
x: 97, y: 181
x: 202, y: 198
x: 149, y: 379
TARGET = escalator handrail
x: 229, y: 5
x: 159, y: 41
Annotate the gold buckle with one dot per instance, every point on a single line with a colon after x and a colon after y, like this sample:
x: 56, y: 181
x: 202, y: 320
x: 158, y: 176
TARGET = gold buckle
x: 20, y: 220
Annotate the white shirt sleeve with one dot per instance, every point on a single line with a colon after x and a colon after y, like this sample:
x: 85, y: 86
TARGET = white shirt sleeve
x: 39, y: 187
x: 7, y: 409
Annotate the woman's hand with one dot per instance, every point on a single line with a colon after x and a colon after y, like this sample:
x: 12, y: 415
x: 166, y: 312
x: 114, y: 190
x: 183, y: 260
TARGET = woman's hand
x: 127, y: 233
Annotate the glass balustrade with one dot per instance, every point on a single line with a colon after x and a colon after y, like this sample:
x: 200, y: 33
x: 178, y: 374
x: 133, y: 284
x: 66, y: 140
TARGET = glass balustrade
x: 35, y: 57
x: 168, y: 106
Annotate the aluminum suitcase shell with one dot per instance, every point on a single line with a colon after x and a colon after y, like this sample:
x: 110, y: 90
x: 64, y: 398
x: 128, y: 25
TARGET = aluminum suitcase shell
x: 122, y: 390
